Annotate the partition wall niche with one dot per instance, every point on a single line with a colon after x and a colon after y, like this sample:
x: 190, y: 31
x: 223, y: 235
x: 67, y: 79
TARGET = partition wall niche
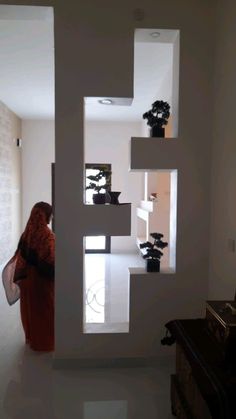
x: 157, y: 212
x: 155, y: 156
x: 111, y: 127
x: 97, y: 244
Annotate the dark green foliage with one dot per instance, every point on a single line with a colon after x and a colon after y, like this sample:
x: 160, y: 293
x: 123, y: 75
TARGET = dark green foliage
x: 96, y: 178
x: 156, y: 236
x: 158, y: 115
x: 152, y: 249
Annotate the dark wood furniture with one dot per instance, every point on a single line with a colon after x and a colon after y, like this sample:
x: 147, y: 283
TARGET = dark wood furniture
x: 204, y: 385
x: 221, y: 323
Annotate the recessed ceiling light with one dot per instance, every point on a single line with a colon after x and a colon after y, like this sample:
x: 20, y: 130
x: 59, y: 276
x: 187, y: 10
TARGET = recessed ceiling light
x: 105, y: 101
x: 155, y: 34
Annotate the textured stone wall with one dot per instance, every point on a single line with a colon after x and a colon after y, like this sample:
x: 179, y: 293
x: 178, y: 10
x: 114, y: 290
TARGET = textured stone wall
x: 10, y: 177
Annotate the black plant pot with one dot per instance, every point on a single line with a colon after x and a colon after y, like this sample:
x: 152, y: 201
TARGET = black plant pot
x: 114, y: 197
x: 157, y: 131
x: 99, y: 198
x: 153, y: 265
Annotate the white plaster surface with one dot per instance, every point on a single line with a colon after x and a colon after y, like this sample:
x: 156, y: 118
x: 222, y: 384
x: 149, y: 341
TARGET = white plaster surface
x: 157, y: 299
x: 222, y: 284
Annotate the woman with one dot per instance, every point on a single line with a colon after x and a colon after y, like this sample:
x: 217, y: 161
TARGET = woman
x: 29, y: 275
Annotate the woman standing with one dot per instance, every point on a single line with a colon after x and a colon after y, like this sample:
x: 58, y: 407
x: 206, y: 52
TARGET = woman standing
x: 29, y: 275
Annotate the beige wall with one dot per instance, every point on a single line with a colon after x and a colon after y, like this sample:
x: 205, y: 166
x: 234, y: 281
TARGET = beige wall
x: 223, y: 183
x: 10, y: 182
x: 38, y: 153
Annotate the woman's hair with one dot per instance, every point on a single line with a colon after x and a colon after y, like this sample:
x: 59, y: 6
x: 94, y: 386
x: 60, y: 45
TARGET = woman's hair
x: 45, y: 208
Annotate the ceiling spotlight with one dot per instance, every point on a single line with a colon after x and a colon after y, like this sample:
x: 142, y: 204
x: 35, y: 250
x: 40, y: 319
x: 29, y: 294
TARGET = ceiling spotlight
x: 155, y: 34
x: 105, y: 101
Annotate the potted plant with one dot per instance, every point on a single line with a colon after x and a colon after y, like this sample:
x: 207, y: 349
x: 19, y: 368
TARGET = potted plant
x: 99, y: 197
x: 157, y: 117
x: 153, y: 253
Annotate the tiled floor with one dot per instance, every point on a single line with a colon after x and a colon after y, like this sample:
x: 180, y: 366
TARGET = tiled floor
x: 31, y: 389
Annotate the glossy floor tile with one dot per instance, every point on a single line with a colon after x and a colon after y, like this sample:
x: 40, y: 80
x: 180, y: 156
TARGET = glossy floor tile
x: 31, y: 389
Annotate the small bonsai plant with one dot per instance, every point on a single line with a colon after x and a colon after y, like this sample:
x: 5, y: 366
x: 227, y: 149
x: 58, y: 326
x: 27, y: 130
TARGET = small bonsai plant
x: 153, y: 253
x: 157, y: 117
x: 99, y: 197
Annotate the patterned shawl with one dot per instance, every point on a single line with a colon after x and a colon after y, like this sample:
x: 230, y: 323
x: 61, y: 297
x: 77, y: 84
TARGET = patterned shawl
x: 36, y: 248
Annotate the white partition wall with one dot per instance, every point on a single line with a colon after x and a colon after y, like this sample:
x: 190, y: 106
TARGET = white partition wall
x: 103, y: 67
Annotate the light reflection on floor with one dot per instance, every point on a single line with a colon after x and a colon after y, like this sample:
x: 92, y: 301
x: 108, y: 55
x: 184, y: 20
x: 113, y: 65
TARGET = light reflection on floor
x: 107, y: 291
x: 117, y: 409
x: 31, y: 389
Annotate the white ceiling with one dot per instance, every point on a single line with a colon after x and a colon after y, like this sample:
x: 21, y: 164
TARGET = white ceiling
x: 27, y: 61
x: 152, y: 80
x: 27, y: 67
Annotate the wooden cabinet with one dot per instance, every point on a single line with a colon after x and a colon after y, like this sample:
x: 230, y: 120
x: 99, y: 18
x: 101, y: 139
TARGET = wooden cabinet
x: 185, y: 391
x: 222, y: 327
x: 180, y: 407
x: 204, y: 384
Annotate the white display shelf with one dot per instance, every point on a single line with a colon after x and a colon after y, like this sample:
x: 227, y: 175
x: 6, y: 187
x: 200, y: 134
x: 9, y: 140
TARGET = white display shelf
x: 149, y: 206
x: 142, y: 271
x: 155, y: 153
x: 107, y: 220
